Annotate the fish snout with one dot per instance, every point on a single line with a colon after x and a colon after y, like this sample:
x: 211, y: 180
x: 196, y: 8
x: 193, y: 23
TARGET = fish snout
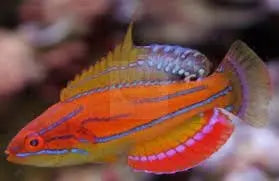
x: 12, y: 150
x: 7, y: 152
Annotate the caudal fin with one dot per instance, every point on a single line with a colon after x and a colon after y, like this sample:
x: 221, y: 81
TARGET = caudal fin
x: 250, y: 81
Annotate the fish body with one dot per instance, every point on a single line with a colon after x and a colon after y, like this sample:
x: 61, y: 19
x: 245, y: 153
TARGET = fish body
x: 139, y: 102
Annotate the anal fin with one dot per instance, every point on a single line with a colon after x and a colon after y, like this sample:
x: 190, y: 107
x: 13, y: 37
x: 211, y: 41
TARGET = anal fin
x: 214, y: 130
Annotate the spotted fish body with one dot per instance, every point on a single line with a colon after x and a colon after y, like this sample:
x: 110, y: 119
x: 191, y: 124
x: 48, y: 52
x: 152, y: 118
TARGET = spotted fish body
x: 139, y: 102
x: 177, y: 60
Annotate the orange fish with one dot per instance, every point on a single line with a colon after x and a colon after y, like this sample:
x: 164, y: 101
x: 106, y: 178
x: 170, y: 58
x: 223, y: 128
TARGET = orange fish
x: 141, y: 102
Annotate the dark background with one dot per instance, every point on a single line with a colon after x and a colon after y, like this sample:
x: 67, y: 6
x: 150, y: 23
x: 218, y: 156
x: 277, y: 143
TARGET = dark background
x: 43, y: 44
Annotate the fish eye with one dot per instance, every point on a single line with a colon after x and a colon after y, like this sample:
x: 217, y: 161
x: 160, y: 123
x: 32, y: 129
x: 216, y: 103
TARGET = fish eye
x: 33, y: 142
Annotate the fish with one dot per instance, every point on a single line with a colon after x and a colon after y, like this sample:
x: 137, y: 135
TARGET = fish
x: 163, y: 108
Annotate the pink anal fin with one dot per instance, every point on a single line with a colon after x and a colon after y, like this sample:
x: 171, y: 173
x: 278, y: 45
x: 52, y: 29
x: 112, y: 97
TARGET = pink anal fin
x: 188, y: 153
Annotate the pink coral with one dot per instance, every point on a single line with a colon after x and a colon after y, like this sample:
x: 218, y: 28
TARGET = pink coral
x: 17, y: 64
x: 81, y: 9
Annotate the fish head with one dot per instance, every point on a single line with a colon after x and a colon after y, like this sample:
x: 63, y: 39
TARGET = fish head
x: 48, y: 141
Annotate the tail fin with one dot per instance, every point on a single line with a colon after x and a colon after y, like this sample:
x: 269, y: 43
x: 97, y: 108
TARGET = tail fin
x: 250, y: 81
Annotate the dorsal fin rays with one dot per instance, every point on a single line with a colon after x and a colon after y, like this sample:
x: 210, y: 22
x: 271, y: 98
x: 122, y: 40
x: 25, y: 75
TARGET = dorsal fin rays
x: 120, y: 65
x: 128, y: 63
x: 128, y: 39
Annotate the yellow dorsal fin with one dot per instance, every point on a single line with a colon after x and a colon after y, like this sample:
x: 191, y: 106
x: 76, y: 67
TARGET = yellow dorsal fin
x: 120, y: 65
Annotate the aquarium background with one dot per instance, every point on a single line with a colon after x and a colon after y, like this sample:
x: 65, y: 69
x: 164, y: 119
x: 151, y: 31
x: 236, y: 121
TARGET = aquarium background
x: 43, y: 44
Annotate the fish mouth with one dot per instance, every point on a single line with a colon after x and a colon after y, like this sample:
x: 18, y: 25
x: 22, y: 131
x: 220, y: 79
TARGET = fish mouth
x: 7, y: 152
x: 10, y: 156
x: 13, y: 159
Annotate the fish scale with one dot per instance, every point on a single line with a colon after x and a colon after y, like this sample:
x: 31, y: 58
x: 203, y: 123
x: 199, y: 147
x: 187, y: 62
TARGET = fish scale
x: 172, y: 59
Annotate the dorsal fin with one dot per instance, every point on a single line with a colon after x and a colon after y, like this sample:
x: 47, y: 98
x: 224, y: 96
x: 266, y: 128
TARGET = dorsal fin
x: 120, y: 65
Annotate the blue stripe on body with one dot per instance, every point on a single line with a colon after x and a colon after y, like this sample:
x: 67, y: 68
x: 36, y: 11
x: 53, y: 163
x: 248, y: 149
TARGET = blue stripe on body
x: 174, y: 95
x: 53, y: 152
x: 103, y: 119
x: 61, y: 121
x: 165, y: 117
x: 122, y: 85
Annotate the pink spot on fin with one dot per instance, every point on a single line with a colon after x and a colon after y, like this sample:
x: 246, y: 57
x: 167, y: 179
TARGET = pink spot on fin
x: 207, y: 129
x: 180, y: 148
x: 214, y: 117
x: 190, y: 142
x: 171, y: 152
x: 151, y: 157
x: 198, y: 136
x: 161, y: 156
x: 143, y: 158
x: 136, y: 158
